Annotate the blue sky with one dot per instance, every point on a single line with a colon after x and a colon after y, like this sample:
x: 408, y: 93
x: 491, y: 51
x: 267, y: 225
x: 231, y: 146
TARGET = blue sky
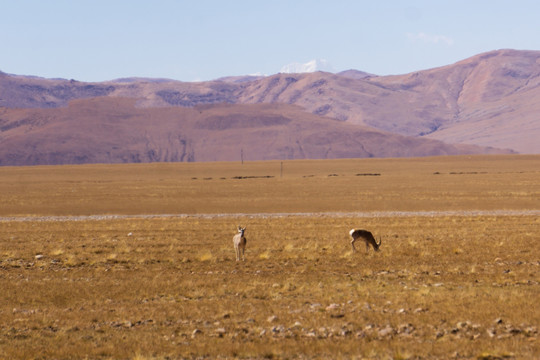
x: 96, y: 40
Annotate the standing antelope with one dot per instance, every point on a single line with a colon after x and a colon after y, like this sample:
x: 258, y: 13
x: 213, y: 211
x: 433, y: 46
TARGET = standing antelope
x: 366, y: 236
x: 239, y: 241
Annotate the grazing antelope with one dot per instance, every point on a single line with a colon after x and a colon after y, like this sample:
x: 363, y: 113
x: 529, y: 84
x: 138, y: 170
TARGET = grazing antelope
x: 366, y: 236
x: 239, y: 241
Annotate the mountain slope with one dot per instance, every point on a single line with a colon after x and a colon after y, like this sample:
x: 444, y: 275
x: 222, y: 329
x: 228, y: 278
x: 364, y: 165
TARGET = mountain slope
x: 473, y: 101
x: 114, y: 130
x: 491, y: 99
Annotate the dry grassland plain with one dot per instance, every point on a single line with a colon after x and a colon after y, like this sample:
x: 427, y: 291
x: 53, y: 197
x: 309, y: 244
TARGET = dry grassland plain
x: 137, y: 261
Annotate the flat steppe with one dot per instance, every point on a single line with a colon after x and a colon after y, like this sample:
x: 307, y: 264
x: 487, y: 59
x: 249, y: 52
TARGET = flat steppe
x: 136, y: 261
x: 302, y: 186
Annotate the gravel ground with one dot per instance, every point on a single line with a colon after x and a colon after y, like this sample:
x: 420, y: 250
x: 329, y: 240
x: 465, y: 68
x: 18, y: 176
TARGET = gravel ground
x: 373, y: 214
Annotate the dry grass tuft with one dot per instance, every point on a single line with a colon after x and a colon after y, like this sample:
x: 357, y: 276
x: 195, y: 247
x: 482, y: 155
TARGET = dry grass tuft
x: 207, y: 256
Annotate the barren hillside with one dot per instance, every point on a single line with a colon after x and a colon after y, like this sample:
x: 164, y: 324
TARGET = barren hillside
x: 114, y: 130
x: 491, y: 100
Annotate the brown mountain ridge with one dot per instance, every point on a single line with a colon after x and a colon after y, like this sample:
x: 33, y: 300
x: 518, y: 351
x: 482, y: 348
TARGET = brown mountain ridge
x: 115, y: 130
x: 490, y: 100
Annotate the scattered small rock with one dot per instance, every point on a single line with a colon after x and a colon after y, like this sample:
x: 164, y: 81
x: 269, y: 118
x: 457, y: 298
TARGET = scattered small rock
x: 332, y: 307
x: 463, y: 324
x: 323, y: 333
x: 405, y: 329
x: 272, y: 318
x: 387, y: 331
x: 279, y: 328
x: 531, y: 331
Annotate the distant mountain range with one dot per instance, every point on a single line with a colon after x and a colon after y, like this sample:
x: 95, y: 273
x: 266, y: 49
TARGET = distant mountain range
x: 489, y: 103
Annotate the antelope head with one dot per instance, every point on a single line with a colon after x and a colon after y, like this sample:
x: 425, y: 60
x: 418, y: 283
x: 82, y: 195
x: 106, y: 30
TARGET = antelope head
x: 377, y: 244
x: 241, y: 230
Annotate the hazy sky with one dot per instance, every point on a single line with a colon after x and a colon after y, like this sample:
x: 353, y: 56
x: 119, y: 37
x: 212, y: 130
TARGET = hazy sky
x: 193, y: 40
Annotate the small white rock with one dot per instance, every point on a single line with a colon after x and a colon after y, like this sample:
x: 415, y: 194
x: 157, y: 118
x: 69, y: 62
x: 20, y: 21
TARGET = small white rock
x: 386, y: 331
x: 332, y: 307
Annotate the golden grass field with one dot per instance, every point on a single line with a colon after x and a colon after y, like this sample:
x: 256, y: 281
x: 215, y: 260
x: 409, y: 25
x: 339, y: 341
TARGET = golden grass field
x: 458, y: 274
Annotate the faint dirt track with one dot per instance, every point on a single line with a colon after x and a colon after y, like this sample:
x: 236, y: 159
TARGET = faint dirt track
x: 374, y: 214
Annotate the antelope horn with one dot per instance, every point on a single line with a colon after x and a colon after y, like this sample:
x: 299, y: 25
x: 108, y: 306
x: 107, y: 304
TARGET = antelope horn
x: 380, y: 241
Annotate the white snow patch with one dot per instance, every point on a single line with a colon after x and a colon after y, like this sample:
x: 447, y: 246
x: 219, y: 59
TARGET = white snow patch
x: 310, y: 66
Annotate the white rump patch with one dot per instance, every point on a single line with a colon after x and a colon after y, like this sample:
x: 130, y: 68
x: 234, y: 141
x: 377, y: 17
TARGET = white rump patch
x: 350, y: 232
